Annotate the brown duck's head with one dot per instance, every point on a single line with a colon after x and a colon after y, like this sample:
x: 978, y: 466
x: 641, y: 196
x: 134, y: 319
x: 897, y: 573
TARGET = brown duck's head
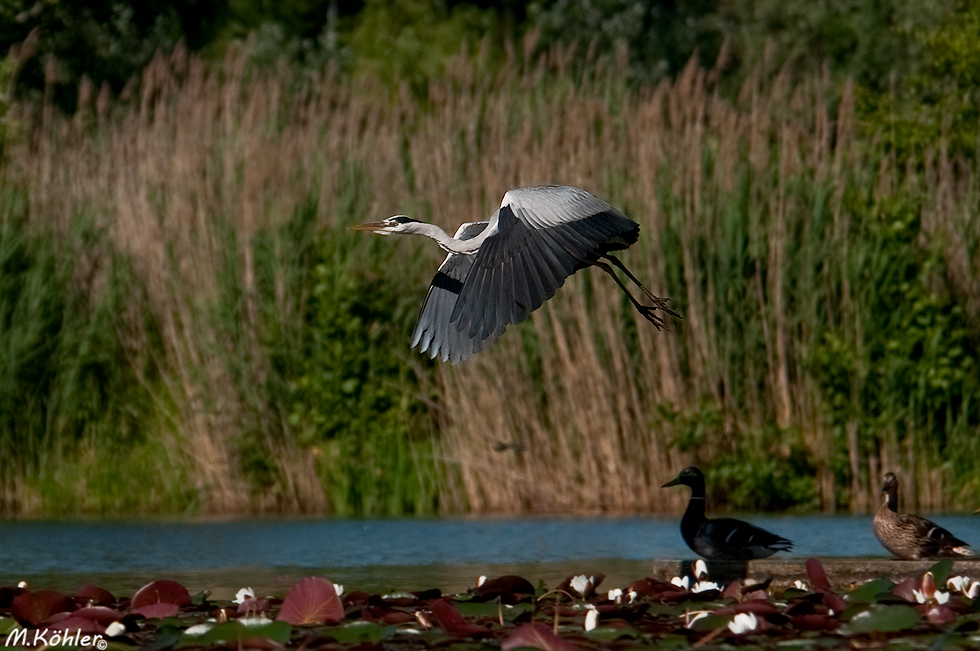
x: 890, y: 484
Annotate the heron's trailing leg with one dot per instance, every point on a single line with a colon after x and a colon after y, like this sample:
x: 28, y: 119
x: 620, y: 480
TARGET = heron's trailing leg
x: 647, y: 311
x: 660, y: 303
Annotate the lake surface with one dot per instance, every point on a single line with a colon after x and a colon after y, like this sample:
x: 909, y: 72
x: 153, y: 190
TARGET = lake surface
x: 377, y: 555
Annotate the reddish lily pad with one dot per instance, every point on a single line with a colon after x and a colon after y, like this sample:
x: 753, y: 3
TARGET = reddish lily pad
x: 166, y: 592
x: 510, y: 586
x: 77, y: 625
x: 158, y: 610
x: 99, y: 614
x: 312, y: 600
x: 817, y: 575
x: 95, y: 594
x: 33, y: 608
x: 536, y: 636
x: 452, y: 622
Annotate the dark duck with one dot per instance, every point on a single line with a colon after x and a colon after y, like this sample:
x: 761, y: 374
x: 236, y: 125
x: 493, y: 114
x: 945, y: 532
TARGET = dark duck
x: 909, y: 536
x: 722, y: 538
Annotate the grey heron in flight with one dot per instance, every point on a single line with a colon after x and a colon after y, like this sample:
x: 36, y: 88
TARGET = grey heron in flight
x: 500, y: 270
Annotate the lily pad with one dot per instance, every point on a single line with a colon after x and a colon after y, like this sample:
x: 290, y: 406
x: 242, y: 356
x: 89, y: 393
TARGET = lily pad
x: 610, y: 633
x: 492, y: 609
x: 312, y: 600
x: 360, y: 632
x: 870, y: 592
x: 234, y: 631
x: 32, y: 608
x: 941, y: 570
x: 536, y: 636
x: 163, y: 592
x: 882, y: 619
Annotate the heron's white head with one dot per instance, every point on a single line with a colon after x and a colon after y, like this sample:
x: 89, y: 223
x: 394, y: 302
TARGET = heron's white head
x: 394, y: 224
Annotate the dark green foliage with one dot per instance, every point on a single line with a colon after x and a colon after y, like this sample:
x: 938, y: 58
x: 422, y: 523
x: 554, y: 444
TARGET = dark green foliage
x: 106, y: 41
x: 936, y: 102
x: 904, y: 364
x: 411, y: 40
x: 759, y: 469
x: 68, y: 389
x: 354, y: 395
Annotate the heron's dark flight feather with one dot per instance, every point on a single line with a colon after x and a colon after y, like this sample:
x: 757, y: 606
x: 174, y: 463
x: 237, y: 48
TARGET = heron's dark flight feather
x: 433, y: 332
x: 524, y: 263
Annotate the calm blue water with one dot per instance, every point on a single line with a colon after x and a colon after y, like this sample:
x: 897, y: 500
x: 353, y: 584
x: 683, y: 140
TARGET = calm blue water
x: 379, y: 551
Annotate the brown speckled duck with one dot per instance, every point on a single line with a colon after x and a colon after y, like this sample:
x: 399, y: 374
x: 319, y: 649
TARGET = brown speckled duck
x: 909, y: 536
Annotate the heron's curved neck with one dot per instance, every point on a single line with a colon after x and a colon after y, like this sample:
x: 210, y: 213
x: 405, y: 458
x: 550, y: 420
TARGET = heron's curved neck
x: 448, y: 243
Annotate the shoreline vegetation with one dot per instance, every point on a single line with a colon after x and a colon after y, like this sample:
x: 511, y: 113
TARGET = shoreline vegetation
x: 187, y: 327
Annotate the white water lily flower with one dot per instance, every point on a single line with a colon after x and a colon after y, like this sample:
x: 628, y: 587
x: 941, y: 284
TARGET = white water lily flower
x: 689, y: 621
x: 974, y: 590
x: 196, y: 629
x: 22, y: 585
x: 801, y: 585
x: 118, y: 628
x: 700, y: 569
x: 743, y: 623
x: 616, y: 595
x: 939, y: 597
x: 339, y: 589
x: 481, y: 580
x: 633, y: 595
x: 254, y: 620
x: 243, y: 594
x: 681, y: 582
x: 591, y: 618
x: 582, y: 584
x: 965, y: 585
x: 702, y: 586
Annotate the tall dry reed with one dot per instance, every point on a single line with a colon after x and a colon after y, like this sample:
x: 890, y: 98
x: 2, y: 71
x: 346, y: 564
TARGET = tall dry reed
x: 583, y: 408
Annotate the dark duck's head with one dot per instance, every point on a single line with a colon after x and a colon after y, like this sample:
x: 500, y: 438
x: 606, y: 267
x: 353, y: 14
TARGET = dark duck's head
x: 689, y: 477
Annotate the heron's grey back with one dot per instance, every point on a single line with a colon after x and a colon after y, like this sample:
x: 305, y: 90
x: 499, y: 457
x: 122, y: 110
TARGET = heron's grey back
x: 537, y: 238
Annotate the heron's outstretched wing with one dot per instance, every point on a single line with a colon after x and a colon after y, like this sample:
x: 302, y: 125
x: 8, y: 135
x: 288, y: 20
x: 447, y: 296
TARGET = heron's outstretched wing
x: 539, y: 237
x: 433, y: 332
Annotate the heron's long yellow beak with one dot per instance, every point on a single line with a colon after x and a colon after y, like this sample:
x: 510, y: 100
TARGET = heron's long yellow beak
x: 373, y: 226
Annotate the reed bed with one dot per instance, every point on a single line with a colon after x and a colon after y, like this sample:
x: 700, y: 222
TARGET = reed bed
x: 222, y: 191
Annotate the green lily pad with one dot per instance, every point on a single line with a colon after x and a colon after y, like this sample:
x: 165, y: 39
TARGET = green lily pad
x: 610, y: 633
x: 492, y: 609
x: 167, y: 637
x: 941, y: 571
x: 360, y: 632
x: 709, y: 623
x: 870, y: 591
x: 234, y: 630
x: 882, y: 619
